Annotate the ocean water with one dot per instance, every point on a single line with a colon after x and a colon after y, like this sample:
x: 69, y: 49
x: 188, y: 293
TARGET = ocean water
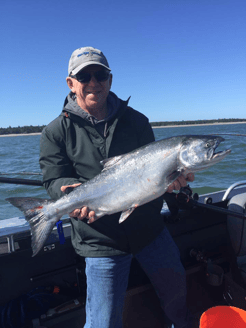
x: 21, y: 153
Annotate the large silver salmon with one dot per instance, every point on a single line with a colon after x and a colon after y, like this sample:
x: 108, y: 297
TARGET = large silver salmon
x: 126, y: 182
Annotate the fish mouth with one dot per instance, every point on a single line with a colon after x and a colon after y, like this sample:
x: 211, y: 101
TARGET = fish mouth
x: 221, y: 154
x: 218, y: 156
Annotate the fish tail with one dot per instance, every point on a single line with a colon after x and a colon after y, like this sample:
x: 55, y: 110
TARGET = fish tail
x: 41, y: 228
x: 40, y: 225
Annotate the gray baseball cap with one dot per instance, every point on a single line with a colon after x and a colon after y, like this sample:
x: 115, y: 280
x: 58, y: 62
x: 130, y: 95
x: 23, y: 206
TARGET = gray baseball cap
x: 86, y: 56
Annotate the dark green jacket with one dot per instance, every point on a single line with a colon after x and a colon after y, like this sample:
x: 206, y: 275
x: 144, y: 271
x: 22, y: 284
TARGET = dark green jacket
x: 71, y: 149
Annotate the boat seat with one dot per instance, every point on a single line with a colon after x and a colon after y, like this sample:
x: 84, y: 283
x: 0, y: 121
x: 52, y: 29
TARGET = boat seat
x: 237, y: 231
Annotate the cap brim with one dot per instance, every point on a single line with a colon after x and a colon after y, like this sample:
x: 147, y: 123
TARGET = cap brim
x: 82, y: 66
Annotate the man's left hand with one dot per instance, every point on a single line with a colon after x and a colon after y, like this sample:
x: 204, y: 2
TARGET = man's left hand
x: 181, y: 181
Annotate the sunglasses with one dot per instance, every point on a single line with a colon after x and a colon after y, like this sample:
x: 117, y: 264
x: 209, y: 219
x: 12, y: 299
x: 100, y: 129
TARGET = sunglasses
x: 85, y: 77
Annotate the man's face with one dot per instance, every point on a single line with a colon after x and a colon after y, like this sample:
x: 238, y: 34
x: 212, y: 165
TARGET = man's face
x: 93, y: 94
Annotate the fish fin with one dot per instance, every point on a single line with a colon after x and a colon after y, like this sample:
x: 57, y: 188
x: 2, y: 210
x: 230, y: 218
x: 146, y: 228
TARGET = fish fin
x: 173, y: 176
x: 41, y: 228
x: 125, y: 214
x: 108, y: 162
x: 40, y: 225
x: 28, y: 203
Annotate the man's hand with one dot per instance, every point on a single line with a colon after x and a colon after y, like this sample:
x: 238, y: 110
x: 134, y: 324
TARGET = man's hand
x: 80, y: 213
x: 181, y: 182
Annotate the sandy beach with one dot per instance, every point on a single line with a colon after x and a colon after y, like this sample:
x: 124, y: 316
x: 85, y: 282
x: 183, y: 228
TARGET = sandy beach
x: 154, y: 127
x: 20, y: 134
x: 177, y: 126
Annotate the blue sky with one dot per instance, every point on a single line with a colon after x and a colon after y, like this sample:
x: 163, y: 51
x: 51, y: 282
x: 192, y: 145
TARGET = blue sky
x: 177, y: 59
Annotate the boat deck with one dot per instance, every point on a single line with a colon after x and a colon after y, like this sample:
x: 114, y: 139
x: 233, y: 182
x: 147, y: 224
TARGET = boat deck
x: 142, y: 308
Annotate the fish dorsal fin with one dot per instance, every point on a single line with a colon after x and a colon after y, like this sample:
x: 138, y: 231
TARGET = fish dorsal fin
x: 109, y: 162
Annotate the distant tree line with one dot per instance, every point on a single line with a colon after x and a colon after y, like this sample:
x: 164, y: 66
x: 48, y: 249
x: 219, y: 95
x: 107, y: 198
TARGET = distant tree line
x: 222, y: 120
x: 38, y: 129
x: 21, y: 129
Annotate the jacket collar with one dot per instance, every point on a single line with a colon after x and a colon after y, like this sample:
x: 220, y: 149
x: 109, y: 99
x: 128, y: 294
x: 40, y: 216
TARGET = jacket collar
x: 116, y: 108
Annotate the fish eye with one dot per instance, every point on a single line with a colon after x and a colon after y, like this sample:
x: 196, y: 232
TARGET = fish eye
x: 208, y: 144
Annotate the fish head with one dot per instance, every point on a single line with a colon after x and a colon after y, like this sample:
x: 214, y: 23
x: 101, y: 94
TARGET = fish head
x: 198, y: 152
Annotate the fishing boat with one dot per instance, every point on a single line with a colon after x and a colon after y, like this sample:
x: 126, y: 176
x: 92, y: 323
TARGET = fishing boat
x: 49, y: 290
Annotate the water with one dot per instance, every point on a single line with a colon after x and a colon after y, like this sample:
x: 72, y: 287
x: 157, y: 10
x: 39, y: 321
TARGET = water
x: 18, y: 154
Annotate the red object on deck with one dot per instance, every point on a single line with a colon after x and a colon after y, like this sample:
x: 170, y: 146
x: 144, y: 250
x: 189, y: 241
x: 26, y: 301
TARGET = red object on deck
x: 223, y: 317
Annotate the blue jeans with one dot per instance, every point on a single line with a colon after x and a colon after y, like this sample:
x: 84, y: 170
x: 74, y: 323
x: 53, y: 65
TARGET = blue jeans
x: 107, y: 280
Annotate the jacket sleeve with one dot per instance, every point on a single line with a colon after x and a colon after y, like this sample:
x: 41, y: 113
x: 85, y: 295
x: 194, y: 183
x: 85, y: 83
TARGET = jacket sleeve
x: 142, y: 127
x: 56, y: 167
x: 147, y: 135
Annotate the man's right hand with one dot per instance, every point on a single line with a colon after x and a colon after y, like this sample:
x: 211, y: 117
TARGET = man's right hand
x: 80, y: 213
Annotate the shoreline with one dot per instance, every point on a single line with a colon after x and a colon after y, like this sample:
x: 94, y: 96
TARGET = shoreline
x: 202, y: 124
x: 20, y: 134
x: 153, y: 127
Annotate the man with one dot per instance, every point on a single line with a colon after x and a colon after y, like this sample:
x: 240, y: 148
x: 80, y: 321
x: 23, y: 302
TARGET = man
x: 95, y: 124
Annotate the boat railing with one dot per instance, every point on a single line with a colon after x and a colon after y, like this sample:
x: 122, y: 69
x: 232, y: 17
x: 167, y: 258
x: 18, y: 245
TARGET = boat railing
x: 233, y: 186
x: 16, y: 229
